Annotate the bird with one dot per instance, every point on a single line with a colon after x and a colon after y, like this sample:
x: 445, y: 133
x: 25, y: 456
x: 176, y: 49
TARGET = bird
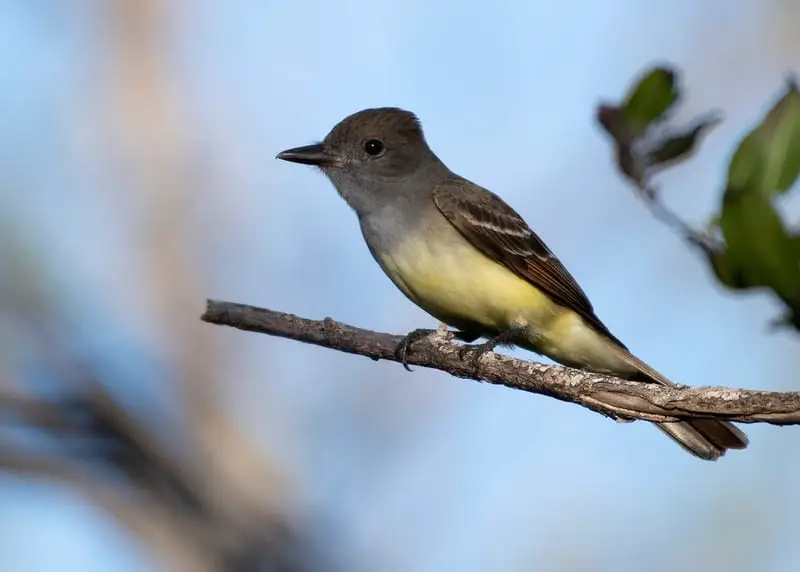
x: 467, y: 258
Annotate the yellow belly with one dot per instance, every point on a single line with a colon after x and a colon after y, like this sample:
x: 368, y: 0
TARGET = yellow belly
x: 453, y: 281
x: 457, y: 284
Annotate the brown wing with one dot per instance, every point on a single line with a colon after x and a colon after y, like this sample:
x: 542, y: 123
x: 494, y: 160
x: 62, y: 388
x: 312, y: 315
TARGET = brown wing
x: 500, y: 233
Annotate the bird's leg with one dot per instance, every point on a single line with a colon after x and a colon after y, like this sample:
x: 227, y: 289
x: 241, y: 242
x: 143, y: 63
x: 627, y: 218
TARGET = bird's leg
x: 478, y: 350
x: 414, y: 336
x: 401, y: 353
x: 465, y: 336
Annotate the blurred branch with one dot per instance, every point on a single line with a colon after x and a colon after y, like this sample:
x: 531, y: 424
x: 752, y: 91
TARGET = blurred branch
x: 92, y: 414
x: 616, y: 398
x: 644, y: 146
x: 98, y: 448
x: 151, y: 521
x: 214, y: 473
x: 156, y: 141
x: 748, y: 245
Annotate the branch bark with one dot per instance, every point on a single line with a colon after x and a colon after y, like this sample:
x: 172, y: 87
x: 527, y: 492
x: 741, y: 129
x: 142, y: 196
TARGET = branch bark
x: 610, y: 396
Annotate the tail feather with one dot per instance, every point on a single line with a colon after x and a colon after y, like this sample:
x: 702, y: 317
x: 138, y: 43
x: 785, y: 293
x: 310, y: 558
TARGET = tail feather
x: 707, y: 439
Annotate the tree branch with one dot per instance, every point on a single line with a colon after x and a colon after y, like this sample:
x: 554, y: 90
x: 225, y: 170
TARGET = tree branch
x: 616, y: 398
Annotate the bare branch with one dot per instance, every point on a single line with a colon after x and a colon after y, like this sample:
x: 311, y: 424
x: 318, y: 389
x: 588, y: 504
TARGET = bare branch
x: 622, y: 400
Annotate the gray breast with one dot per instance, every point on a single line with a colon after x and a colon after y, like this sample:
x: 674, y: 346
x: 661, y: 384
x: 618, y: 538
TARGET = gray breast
x: 395, y: 220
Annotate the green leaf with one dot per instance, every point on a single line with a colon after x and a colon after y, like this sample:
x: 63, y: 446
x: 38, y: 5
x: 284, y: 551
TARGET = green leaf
x: 650, y: 99
x: 682, y: 145
x: 641, y: 150
x: 726, y: 270
x: 760, y: 251
x: 767, y: 160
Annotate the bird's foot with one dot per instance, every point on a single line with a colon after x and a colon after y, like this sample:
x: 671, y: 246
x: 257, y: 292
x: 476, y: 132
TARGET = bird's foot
x: 401, y: 352
x: 477, y: 351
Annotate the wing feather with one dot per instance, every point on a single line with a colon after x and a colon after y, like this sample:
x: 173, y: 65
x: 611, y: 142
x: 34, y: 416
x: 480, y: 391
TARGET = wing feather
x: 496, y: 229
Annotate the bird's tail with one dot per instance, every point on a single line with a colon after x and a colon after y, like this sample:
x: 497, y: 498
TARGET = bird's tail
x: 704, y: 438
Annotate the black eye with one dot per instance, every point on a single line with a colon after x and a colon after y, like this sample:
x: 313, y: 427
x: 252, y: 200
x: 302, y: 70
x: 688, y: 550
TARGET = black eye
x: 373, y: 147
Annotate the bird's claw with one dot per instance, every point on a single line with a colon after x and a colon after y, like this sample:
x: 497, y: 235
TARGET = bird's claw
x: 476, y: 351
x: 401, y: 352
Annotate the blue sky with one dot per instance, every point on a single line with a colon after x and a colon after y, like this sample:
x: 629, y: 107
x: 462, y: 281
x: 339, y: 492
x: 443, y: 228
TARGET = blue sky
x: 417, y: 471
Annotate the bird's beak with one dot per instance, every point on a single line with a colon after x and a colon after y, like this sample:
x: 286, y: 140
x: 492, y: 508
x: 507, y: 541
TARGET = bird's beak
x: 308, y: 155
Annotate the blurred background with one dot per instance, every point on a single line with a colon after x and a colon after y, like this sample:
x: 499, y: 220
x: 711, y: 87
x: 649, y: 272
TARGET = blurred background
x: 137, y: 179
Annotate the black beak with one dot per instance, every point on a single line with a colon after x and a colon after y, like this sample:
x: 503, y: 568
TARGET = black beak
x: 308, y: 155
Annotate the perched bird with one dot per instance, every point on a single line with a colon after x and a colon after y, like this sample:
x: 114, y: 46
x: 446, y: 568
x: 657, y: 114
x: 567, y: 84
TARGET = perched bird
x: 463, y: 255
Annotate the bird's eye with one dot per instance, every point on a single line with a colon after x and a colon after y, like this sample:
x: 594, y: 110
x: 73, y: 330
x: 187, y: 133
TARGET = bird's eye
x: 373, y: 147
